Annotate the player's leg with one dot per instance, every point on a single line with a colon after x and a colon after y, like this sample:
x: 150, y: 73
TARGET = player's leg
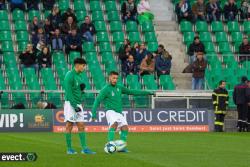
x: 69, y: 127
x: 112, y: 119
x: 124, y: 133
x: 82, y: 137
x: 111, y: 132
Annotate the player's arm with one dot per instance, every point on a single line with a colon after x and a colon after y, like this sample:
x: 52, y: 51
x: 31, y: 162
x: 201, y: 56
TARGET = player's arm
x: 97, y: 102
x: 135, y: 92
x: 68, y: 84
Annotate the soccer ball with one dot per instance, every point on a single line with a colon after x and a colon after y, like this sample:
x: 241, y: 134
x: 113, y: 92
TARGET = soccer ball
x: 120, y: 145
x: 110, y: 147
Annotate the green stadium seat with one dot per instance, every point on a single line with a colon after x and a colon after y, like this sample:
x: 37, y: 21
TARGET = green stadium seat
x: 97, y: 16
x: 131, y: 26
x: 233, y: 26
x: 110, y: 5
x: 107, y: 56
x: 201, y: 26
x: 7, y: 46
x: 20, y: 26
x: 113, y: 16
x: 73, y: 55
x: 102, y: 37
x: 227, y: 57
x: 150, y: 37
x: 224, y: 47
x: 133, y: 82
x: 110, y: 66
x: 188, y: 37
x: 18, y: 15
x: 63, y: 5
x: 147, y: 26
x: 80, y: 14
x: 9, y: 60
x: 32, y: 14
x: 221, y: 37
x: 5, y: 26
x: 118, y: 36
x: 149, y: 82
x: 211, y: 57
x: 186, y: 26
x: 134, y: 37
x: 115, y: 26
x: 166, y: 82
x: 4, y: 97
x: 91, y: 58
x: 79, y: 5
x: 95, y: 6
x: 105, y: 47
x: 22, y: 36
x: 100, y: 26
x: 209, y: 47
x: 236, y: 46
x: 246, y: 26
x: 217, y: 26
x: 21, y: 46
x: 4, y: 15
x: 88, y: 47
x: 205, y: 37
x: 5, y: 36
x: 237, y: 37
x: 152, y: 46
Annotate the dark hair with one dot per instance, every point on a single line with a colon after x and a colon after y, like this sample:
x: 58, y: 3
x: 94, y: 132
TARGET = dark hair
x: 113, y: 73
x: 221, y: 82
x: 161, y: 46
x: 79, y: 61
x: 244, y: 79
x: 196, y: 37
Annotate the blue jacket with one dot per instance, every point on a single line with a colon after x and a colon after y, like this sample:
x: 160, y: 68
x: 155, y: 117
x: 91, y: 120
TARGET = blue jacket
x: 74, y: 40
x: 140, y: 56
x: 162, y: 64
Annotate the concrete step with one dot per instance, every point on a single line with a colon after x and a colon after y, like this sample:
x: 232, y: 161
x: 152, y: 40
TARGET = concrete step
x: 162, y: 9
x: 182, y: 81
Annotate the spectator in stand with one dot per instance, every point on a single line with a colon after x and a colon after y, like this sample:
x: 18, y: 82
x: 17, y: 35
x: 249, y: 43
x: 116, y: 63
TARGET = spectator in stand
x: 39, y: 39
x: 32, y: 4
x: 141, y: 54
x: 122, y: 47
x: 68, y: 26
x: 198, y: 68
x: 55, y: 17
x: 87, y: 30
x: 199, y: 10
x: 129, y: 11
x: 44, y: 58
x: 2, y: 5
x: 130, y: 67
x: 73, y: 42
x: 69, y: 13
x: 163, y: 63
x: 230, y: 10
x: 245, y: 10
x: 183, y: 11
x: 28, y: 58
x: 123, y: 56
x: 147, y: 66
x: 195, y: 47
x: 17, y: 4
x: 244, y: 50
x: 48, y: 28
x: 135, y: 49
x: 48, y: 4
x: 159, y: 51
x: 213, y: 10
x: 33, y: 26
x: 57, y: 41
x: 143, y: 9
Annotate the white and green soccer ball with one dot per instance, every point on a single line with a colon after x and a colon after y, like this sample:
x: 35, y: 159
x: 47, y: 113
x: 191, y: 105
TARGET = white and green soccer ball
x: 110, y: 147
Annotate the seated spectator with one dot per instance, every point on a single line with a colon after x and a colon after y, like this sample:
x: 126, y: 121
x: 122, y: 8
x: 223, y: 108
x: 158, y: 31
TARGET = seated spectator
x: 44, y: 58
x: 28, y: 58
x: 87, y: 29
x: 141, y: 54
x: 57, y: 41
x: 69, y: 13
x: 17, y: 4
x: 55, y: 17
x: 73, y: 42
x: 135, y: 49
x: 39, y: 38
x: 159, y: 51
x: 213, y: 11
x: 122, y: 47
x: 198, y: 68
x: 48, y: 4
x: 199, y: 10
x: 183, y: 11
x: 163, y: 63
x: 129, y: 11
x: 130, y: 67
x: 147, y: 66
x: 33, y: 26
x: 230, y: 10
x: 245, y: 10
x: 32, y: 4
x: 123, y: 56
x: 2, y: 5
x: 244, y: 50
x: 195, y: 47
x: 48, y: 28
x: 68, y: 26
x: 144, y: 12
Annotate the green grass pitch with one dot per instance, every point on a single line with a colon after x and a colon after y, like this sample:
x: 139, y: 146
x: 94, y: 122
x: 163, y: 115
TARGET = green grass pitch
x: 147, y: 150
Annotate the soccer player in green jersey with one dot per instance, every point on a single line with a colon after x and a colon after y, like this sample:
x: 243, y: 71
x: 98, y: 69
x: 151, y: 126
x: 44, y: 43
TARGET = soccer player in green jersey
x: 111, y: 94
x: 73, y: 111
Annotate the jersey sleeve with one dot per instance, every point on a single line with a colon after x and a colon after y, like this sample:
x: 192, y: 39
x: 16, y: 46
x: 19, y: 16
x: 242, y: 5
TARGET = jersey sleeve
x: 68, y: 84
x: 135, y: 92
x: 98, y: 100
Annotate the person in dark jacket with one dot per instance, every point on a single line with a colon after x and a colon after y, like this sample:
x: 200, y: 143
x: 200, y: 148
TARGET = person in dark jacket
x: 57, y: 41
x: 141, y: 54
x: 73, y: 42
x: 69, y: 13
x: 39, y: 39
x: 44, y: 58
x: 184, y: 11
x: 28, y: 58
x: 248, y: 104
x: 198, y: 68
x: 163, y: 63
x: 129, y: 11
x: 55, y: 17
x: 213, y: 11
x: 130, y: 66
x: 48, y: 29
x: 48, y: 4
x: 87, y: 30
x: 68, y: 26
x: 230, y: 10
x: 195, y: 47
x: 17, y: 4
x: 2, y: 5
x: 123, y: 56
x: 32, y: 4
x: 199, y: 10
x: 244, y: 50
x: 239, y: 98
x: 220, y: 103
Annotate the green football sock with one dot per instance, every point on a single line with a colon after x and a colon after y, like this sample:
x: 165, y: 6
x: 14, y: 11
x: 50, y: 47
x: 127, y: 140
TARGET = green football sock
x: 68, y: 140
x: 124, y: 135
x: 82, y: 136
x: 111, y: 134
